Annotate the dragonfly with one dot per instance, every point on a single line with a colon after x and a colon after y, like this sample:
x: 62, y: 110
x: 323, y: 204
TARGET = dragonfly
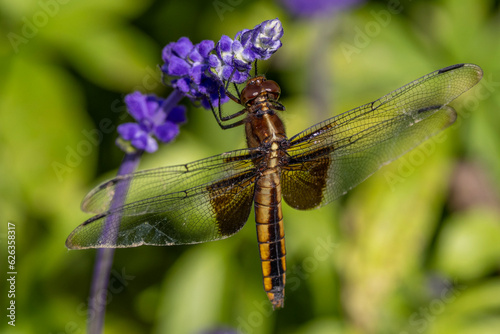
x: 211, y: 199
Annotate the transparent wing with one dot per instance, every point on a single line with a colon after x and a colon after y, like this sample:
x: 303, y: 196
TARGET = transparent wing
x: 206, y: 200
x: 330, y: 158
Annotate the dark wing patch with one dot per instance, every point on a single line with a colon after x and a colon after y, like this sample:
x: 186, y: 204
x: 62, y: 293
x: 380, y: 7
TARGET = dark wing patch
x: 232, y: 200
x: 303, y: 188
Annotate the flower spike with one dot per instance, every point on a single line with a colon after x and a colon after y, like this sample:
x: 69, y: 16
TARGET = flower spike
x: 154, y: 118
x: 201, y: 71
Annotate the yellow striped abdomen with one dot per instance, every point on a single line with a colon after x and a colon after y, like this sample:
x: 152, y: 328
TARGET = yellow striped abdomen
x: 271, y: 235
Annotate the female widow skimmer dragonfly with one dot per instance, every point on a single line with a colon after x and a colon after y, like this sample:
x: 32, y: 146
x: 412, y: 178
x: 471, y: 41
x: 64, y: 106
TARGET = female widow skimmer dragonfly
x: 211, y: 199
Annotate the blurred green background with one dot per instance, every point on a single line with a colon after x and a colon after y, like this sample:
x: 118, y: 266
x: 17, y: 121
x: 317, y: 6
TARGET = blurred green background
x: 414, y: 249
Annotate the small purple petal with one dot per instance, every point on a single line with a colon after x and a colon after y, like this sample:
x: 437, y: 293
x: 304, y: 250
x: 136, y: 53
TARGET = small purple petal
x: 205, y: 47
x: 205, y: 104
x: 244, y: 36
x: 214, y: 61
x: 197, y: 72
x: 158, y: 119
x: 227, y: 71
x: 182, y: 84
x: 182, y: 47
x: 178, y: 67
x: 144, y: 142
x: 142, y: 107
x: 128, y: 131
x: 249, y: 55
x: 167, y: 132
x: 136, y: 104
x: 195, y: 57
x: 166, y: 53
x: 177, y: 115
x: 242, y: 65
x: 240, y: 77
x: 224, y: 44
x: 153, y: 104
x: 152, y: 145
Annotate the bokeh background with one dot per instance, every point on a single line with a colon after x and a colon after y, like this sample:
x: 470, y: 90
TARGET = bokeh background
x: 414, y: 249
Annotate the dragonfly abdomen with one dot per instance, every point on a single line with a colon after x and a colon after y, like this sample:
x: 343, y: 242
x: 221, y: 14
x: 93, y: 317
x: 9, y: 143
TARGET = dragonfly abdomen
x: 271, y: 235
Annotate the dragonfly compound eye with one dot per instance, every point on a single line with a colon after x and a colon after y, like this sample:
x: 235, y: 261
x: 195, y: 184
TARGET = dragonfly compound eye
x: 272, y: 88
x: 249, y: 93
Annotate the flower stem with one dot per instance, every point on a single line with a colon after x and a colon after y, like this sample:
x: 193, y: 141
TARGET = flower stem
x: 172, y: 100
x: 104, y: 257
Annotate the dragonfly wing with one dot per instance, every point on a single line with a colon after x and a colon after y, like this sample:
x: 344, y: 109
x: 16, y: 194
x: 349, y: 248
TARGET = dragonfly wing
x: 206, y: 200
x: 332, y: 157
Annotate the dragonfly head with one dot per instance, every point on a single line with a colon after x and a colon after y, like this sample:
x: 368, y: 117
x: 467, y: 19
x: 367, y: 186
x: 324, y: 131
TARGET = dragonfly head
x: 260, y: 86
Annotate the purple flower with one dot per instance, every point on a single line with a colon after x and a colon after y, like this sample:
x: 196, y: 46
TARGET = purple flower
x: 201, y: 71
x: 264, y: 39
x: 188, y: 68
x: 154, y: 118
x: 311, y: 8
x: 234, y: 58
